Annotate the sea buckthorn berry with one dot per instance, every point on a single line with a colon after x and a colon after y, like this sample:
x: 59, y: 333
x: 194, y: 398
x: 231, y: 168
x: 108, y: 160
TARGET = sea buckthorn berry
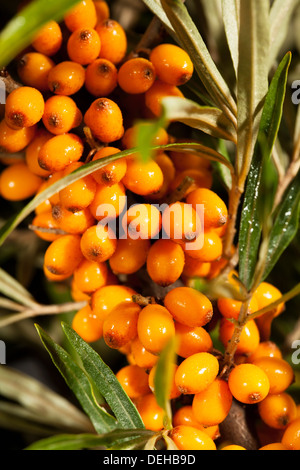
x: 230, y: 308
x: 168, y: 171
x: 151, y: 413
x: 155, y: 327
x: 207, y: 247
x: 79, y: 194
x: 98, y: 243
x: 201, y: 178
x: 57, y: 153
x: 76, y: 294
x: 46, y: 221
x: 104, y: 299
x: 265, y: 294
x: 108, y: 202
x: 291, y: 437
x: 66, y: 78
x: 129, y: 139
x: 191, y: 438
x: 249, y: 339
x: 278, y: 410
x: 188, y: 160
x: 52, y: 277
x: 113, y: 172
x: 142, y: 221
x: 248, y: 383
x: 141, y: 356
x: 129, y: 256
x: 181, y: 222
x: 143, y: 177
x: 32, y: 152
x: 185, y: 416
x: 24, y: 107
x: 134, y: 380
x: 195, y: 268
x: 113, y: 40
x: 102, y: 9
x: 84, y: 46
x: 49, y: 39
x: 212, y: 405
x: 136, y: 75
x: 174, y: 392
x: 215, y: 211
x: 120, y: 325
x: 90, y: 276
x: 192, y: 340
x: 82, y: 15
x: 196, y: 372
x: 172, y: 64
x: 233, y: 447
x: 61, y: 114
x: 44, y: 206
x: 12, y: 140
x: 63, y: 255
x: 33, y: 70
x: 280, y: 373
x: 87, y: 325
x: 101, y: 77
x: 189, y: 306
x: 105, y: 119
x: 265, y: 348
x: 157, y: 92
x: 165, y: 262
x: 18, y: 182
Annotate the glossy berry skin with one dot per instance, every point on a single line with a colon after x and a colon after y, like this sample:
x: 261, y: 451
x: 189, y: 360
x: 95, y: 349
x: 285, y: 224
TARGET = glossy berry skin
x: 134, y: 380
x: 84, y: 46
x: 248, y: 383
x: 249, y: 339
x: 49, y: 39
x: 233, y: 447
x: 90, y: 276
x: 98, y: 243
x: 143, y: 178
x: 101, y: 77
x: 155, y: 327
x: 174, y: 392
x: 82, y: 15
x: 192, y: 340
x: 172, y: 64
x: 230, y: 308
x: 185, y: 416
x: 142, y: 221
x: 129, y: 256
x: 106, y: 298
x: 46, y: 221
x: 151, y: 413
x: 66, y: 78
x: 13, y: 140
x: 157, y: 92
x: 61, y: 114
x: 63, y: 255
x: 32, y: 152
x: 215, y: 211
x: 181, y: 222
x: 265, y: 348
x: 207, y: 247
x: 280, y: 373
x: 136, y: 75
x: 57, y: 153
x: 278, y: 410
x: 165, y: 262
x: 105, y: 119
x: 108, y: 202
x: 141, y: 356
x: 24, y: 107
x: 113, y: 172
x: 72, y: 222
x: 189, y: 306
x: 190, y: 438
x: 18, y: 183
x: 33, y: 70
x: 79, y: 194
x: 113, y: 40
x: 212, y: 405
x: 120, y: 325
x: 87, y: 325
x: 291, y: 437
x: 196, y: 372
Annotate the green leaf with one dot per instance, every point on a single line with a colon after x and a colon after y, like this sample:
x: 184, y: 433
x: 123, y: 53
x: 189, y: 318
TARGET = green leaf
x: 20, y: 31
x: 105, y: 381
x: 251, y: 220
x: 146, y: 132
x: 190, y: 39
x: 252, y: 78
x: 14, y: 290
x: 230, y: 12
x: 79, y: 383
x: 207, y: 119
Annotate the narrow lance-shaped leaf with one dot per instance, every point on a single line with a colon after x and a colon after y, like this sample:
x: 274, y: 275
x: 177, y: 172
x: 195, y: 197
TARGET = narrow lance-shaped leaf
x: 105, y: 381
x: 14, y: 290
x: 79, y: 383
x: 230, y: 10
x: 251, y: 223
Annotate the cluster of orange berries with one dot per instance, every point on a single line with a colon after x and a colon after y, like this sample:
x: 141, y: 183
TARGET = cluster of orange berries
x: 42, y: 135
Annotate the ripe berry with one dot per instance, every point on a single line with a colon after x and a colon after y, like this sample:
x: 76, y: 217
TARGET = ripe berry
x: 192, y: 340
x: 142, y: 221
x: 280, y: 373
x: 66, y: 78
x: 63, y: 255
x: 105, y: 119
x: 141, y: 356
x: 277, y: 410
x: 191, y: 438
x: 18, y: 182
x: 157, y: 92
x: 214, y: 209
x: 248, y: 383
x: 108, y: 202
x: 90, y: 276
x: 143, y: 177
x: 207, y: 247
x: 84, y: 46
x: 33, y: 70
x: 134, y: 380
x: 136, y: 75
x: 104, y: 299
x: 98, y: 243
x: 12, y: 140
x: 57, y: 153
x: 101, y: 77
x: 196, y: 372
x: 45, y: 220
x: 174, y: 392
x: 212, y: 405
x: 155, y: 327
x: 249, y: 338
x: 180, y: 222
x: 61, y: 114
x: 129, y: 139
x: 129, y: 256
x: 82, y: 15
x: 79, y: 194
x: 120, y: 325
x: 24, y: 107
x: 49, y: 39
x: 172, y: 64
x: 165, y: 262
x: 113, y: 172
x: 32, y: 152
x: 87, y: 325
x: 291, y: 437
x: 113, y: 40
x: 72, y: 222
x: 151, y: 413
x: 230, y: 308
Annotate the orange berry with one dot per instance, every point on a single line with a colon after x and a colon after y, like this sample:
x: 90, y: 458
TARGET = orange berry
x: 151, y: 413
x: 157, y: 92
x: 142, y: 221
x: 18, y: 182
x: 141, y: 356
x: 155, y: 327
x: 195, y: 268
x: 143, y: 177
x: 172, y: 64
x: 52, y: 179
x: 98, y: 243
x: 120, y: 325
x: 49, y: 39
x: 280, y: 373
x: 52, y: 277
x: 191, y: 438
x: 185, y: 416
x: 46, y: 221
x: 265, y: 294
x: 108, y: 202
x: 134, y: 380
x: 273, y: 446
x: 230, y: 308
x: 57, y: 153
x: 207, y: 247
x: 72, y: 222
x: 90, y: 276
x: 104, y: 299
x: 87, y: 325
x: 76, y: 294
x: 129, y: 256
x: 291, y: 437
x: 113, y: 172
x: 202, y: 178
x: 189, y: 306
x: 33, y: 70
x: 63, y: 255
x: 265, y: 348
x: 174, y: 392
x: 214, y: 209
x: 32, y: 152
x: 66, y: 78
x: 24, y: 107
x: 161, y: 137
x: 61, y: 114
x: 233, y: 447
x: 180, y: 222
x: 196, y: 372
x: 168, y: 171
x: 212, y: 405
x: 192, y: 340
x: 15, y: 140
x: 136, y: 75
x: 101, y: 77
x: 105, y: 119
x: 248, y: 383
x: 249, y: 339
x: 79, y: 194
x: 188, y: 160
x: 82, y: 15
x: 165, y: 262
x: 113, y: 40
x: 84, y: 46
x: 277, y: 410
x: 102, y: 9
